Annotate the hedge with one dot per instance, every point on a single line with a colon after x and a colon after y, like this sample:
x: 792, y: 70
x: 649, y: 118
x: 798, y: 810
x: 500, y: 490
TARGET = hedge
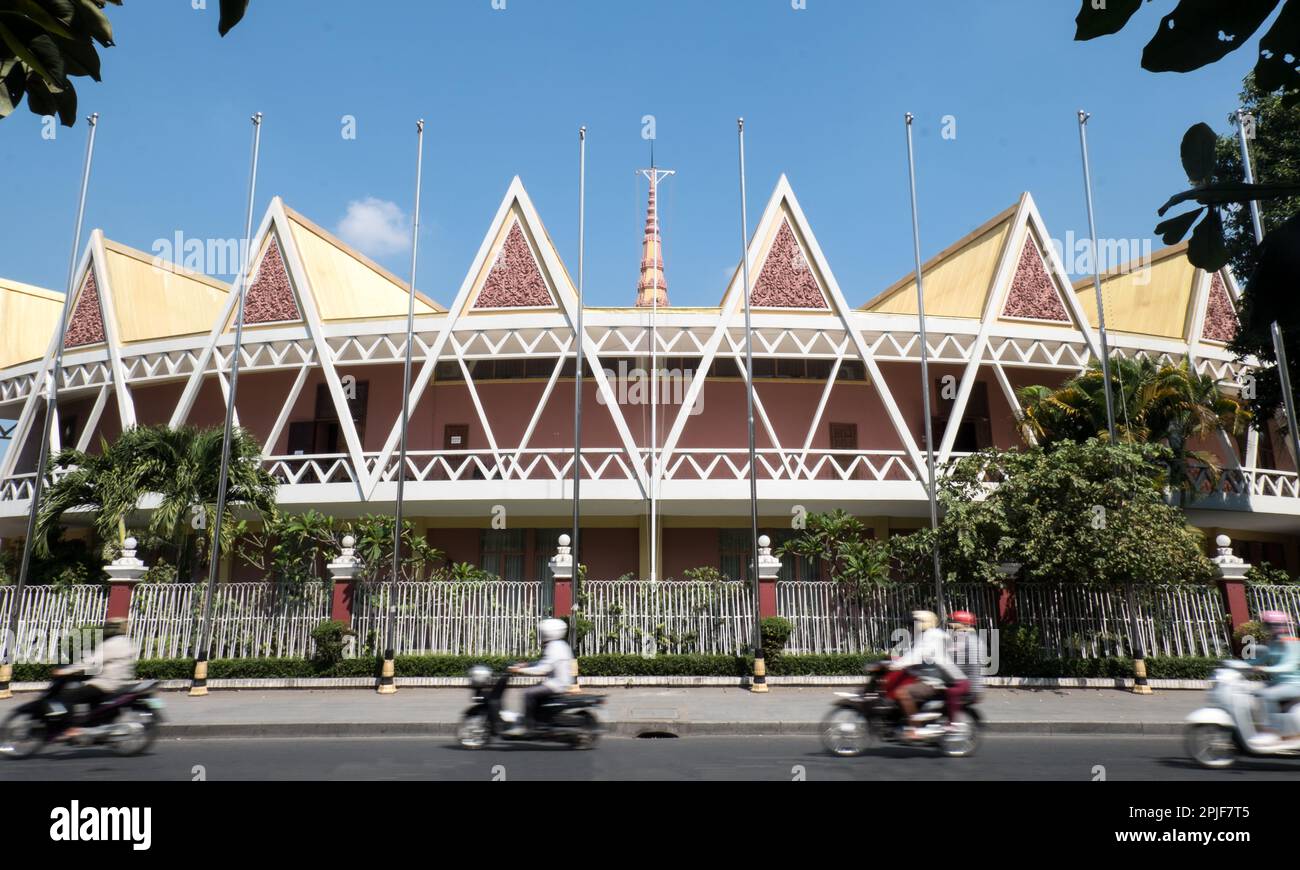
x: 1159, y: 667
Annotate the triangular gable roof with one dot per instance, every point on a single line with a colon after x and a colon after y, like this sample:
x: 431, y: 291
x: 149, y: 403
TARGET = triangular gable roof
x: 517, y: 266
x: 1033, y: 286
x: 347, y: 284
x: 29, y: 315
x: 86, y: 325
x: 958, y: 279
x: 787, y: 269
x: 1155, y: 298
x: 1220, y: 323
x: 153, y: 298
x: 273, y: 296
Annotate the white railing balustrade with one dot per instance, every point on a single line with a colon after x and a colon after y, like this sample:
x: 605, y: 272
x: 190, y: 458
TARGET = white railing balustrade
x: 490, y: 617
x: 828, y: 618
x: 642, y: 617
x: 249, y: 620
x: 56, y: 624
x: 1094, y: 623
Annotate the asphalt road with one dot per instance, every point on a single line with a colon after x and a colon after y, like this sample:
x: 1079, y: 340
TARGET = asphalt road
x: 689, y: 758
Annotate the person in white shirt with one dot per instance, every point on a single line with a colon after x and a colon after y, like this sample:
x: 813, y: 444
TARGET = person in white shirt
x: 110, y: 668
x: 556, y: 665
x: 930, y: 648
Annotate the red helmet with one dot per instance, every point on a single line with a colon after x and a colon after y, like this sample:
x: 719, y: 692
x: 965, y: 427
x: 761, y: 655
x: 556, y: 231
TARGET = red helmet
x: 962, y: 617
x: 1275, y: 618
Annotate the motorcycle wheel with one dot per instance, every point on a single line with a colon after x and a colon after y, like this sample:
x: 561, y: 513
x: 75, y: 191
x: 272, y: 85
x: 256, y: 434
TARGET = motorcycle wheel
x: 588, y: 733
x: 133, y: 732
x: 1211, y: 746
x: 963, y: 740
x: 21, y: 735
x: 474, y: 731
x: 846, y: 732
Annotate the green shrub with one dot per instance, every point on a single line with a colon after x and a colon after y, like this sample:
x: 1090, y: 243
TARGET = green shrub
x: 330, y: 637
x: 1255, y: 631
x: 775, y: 632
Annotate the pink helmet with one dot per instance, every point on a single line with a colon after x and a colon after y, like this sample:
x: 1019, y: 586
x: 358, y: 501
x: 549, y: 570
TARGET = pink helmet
x: 1275, y: 618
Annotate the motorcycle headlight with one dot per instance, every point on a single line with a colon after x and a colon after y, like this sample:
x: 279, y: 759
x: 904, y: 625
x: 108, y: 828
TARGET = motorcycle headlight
x: 480, y: 675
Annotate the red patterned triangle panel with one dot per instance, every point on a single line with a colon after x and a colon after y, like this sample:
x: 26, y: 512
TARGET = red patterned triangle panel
x: 514, y: 281
x: 87, y: 324
x: 786, y: 279
x: 270, y: 297
x: 1220, y: 315
x: 1033, y: 293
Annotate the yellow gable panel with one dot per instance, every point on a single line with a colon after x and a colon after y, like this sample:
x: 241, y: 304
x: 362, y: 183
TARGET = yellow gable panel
x: 956, y: 286
x: 346, y: 286
x: 28, y: 318
x: 153, y: 299
x: 1155, y: 300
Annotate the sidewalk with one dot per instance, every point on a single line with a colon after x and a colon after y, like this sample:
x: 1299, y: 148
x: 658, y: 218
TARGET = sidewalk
x: 633, y: 711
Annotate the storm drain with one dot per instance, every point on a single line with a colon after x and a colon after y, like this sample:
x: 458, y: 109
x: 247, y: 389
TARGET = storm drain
x: 655, y: 735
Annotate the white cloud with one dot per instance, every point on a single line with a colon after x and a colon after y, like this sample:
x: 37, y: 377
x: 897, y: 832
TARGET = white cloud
x: 376, y: 227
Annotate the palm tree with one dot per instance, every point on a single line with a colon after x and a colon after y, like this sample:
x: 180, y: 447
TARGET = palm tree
x: 1155, y: 403
x: 179, y: 466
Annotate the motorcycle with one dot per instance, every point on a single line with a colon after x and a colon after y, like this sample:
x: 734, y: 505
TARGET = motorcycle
x: 1218, y: 733
x: 126, y: 721
x: 860, y: 719
x: 564, y: 718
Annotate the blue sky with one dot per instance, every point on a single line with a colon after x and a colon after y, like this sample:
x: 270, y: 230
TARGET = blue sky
x: 823, y: 90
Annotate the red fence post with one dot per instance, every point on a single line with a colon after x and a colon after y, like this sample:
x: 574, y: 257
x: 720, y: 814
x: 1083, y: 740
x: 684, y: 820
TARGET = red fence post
x: 769, y: 567
x: 1232, y: 584
x: 561, y: 565
x: 123, y: 573
x: 343, y: 571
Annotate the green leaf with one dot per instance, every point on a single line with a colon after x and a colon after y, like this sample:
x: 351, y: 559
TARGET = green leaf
x: 34, y: 14
x: 232, y: 12
x: 1171, y: 232
x: 1198, y: 152
x: 22, y: 52
x: 80, y: 58
x: 1092, y: 22
x: 1232, y: 191
x: 1189, y: 37
x: 1207, y: 249
x: 1272, y: 72
x: 91, y: 19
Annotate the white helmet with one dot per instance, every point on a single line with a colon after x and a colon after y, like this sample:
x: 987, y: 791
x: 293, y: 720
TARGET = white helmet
x: 924, y: 620
x: 552, y: 629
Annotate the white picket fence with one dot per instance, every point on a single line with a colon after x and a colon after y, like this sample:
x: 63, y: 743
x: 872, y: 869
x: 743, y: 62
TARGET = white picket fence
x: 674, y: 616
x: 496, y: 617
x: 1093, y: 623
x: 826, y: 619
x: 47, y: 617
x: 249, y: 620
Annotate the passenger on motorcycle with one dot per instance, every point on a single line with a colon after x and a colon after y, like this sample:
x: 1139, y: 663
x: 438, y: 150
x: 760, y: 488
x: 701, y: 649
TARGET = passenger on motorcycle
x: 556, y: 665
x: 930, y: 648
x: 1282, y: 665
x: 110, y: 667
x: 967, y: 653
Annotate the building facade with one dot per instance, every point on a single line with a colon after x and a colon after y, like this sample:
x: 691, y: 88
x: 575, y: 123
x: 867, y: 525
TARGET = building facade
x: 665, y: 488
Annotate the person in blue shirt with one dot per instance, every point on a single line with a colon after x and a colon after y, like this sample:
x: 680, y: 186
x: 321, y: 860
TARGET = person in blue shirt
x: 1281, y: 663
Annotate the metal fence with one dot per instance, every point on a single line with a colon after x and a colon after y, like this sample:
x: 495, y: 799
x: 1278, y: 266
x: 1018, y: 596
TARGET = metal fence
x: 671, y: 616
x: 51, y: 620
x: 490, y: 617
x: 1093, y: 623
x: 827, y: 618
x: 249, y: 620
x: 1284, y: 598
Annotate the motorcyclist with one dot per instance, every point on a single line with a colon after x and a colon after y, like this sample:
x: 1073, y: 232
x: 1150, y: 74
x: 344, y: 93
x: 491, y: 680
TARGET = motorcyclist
x: 556, y: 665
x: 930, y: 648
x: 1282, y: 666
x: 967, y: 652
x: 110, y: 668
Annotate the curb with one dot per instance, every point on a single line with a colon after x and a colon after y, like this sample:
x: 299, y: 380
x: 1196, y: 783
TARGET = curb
x: 635, y: 728
x: 652, y: 682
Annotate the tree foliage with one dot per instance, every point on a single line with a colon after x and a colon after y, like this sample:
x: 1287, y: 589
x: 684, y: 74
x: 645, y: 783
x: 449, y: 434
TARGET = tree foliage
x: 44, y: 44
x: 839, y: 540
x: 1155, y: 403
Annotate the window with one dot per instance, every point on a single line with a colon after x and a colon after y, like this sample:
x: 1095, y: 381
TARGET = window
x: 67, y: 430
x: 975, y: 431
x: 503, y: 553
x: 843, y: 436
x: 323, y: 434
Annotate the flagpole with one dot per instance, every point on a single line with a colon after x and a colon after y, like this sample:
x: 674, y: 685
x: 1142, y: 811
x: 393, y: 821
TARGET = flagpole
x: 932, y: 484
x: 10, y: 639
x: 760, y: 666
x: 577, y: 381
x: 199, y: 685
x: 387, y: 685
x: 1279, y: 348
x: 1096, y: 278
